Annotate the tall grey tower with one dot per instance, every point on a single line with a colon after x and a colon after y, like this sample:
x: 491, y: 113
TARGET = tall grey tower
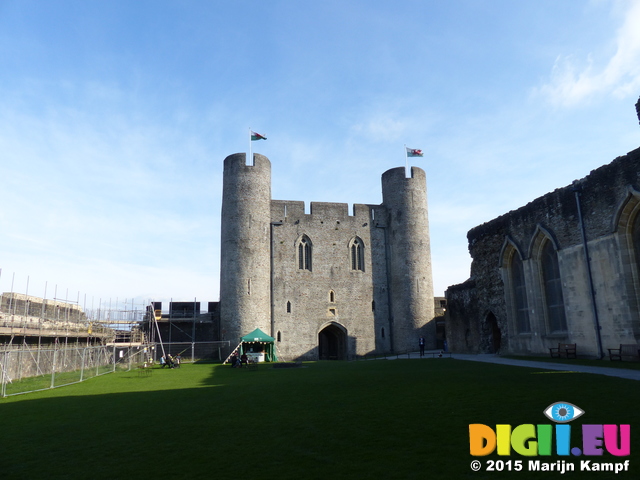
x: 409, y: 251
x: 245, y: 272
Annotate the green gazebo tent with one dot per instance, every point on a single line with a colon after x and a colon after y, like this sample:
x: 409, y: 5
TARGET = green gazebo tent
x: 259, y: 341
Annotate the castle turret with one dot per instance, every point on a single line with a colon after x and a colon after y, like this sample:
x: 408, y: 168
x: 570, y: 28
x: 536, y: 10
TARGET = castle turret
x: 409, y: 258
x: 245, y: 255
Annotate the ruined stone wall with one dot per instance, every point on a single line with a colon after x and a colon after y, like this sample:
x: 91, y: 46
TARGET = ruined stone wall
x: 608, y: 199
x: 36, y: 307
x: 462, y: 322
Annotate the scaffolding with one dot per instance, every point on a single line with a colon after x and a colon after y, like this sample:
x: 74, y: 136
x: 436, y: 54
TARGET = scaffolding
x: 50, y: 342
x: 26, y: 319
x: 186, y: 330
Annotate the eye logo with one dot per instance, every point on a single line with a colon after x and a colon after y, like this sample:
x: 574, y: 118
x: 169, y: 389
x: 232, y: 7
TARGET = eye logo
x: 563, y: 412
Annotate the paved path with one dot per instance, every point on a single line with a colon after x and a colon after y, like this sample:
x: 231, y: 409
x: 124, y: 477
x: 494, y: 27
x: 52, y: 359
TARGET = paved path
x: 490, y: 358
x: 612, y: 372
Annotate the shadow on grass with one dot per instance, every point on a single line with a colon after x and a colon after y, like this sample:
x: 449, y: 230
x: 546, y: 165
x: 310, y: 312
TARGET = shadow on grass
x: 382, y: 419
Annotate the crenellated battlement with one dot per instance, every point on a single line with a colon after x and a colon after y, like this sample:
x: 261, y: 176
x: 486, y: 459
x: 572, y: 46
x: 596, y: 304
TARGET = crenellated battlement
x: 238, y: 160
x: 281, y: 209
x: 416, y: 174
x: 326, y: 210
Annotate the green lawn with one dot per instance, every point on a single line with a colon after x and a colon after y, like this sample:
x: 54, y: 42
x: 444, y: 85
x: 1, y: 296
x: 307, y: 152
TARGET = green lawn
x: 381, y: 419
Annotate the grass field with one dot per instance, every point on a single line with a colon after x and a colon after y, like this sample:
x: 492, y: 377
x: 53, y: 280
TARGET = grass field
x: 371, y: 419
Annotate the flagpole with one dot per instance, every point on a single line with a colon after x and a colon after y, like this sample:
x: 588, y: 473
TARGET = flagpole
x: 406, y: 162
x: 250, y: 159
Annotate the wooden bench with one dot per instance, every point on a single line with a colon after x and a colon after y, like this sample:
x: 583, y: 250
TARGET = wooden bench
x: 563, y: 350
x: 625, y: 350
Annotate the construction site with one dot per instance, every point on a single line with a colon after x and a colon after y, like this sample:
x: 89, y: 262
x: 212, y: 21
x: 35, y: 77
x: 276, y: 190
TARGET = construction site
x: 46, y: 343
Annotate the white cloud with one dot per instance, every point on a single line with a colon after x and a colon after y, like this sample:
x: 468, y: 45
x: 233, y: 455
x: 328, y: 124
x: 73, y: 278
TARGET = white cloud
x: 381, y: 127
x: 573, y: 81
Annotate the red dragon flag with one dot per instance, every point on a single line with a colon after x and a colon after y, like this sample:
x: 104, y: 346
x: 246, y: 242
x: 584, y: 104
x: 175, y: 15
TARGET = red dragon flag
x: 257, y: 136
x: 414, y: 152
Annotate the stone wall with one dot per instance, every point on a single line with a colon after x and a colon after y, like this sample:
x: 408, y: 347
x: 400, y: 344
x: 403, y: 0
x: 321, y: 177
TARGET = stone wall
x: 30, y: 306
x: 306, y: 301
x: 609, y: 198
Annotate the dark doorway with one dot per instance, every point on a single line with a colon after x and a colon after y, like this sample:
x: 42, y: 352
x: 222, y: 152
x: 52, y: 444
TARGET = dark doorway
x: 332, y: 343
x: 494, y: 332
x: 441, y: 336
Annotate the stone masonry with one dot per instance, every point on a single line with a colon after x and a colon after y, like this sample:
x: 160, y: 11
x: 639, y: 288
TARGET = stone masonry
x: 499, y: 309
x: 331, y: 283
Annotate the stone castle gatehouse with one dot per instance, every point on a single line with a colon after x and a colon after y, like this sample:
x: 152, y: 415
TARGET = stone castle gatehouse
x: 328, y: 284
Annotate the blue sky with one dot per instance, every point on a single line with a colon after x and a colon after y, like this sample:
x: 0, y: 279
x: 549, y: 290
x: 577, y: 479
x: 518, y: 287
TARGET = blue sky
x: 115, y: 117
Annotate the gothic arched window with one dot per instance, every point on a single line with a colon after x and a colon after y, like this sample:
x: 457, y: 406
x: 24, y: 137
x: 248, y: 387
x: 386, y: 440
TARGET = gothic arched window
x: 554, y: 299
x: 627, y: 221
x: 519, y: 292
x: 357, y: 254
x: 635, y: 236
x: 304, y: 254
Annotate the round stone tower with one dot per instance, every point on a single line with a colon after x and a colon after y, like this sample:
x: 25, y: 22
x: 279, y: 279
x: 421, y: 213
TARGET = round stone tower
x: 409, y: 258
x: 245, y: 250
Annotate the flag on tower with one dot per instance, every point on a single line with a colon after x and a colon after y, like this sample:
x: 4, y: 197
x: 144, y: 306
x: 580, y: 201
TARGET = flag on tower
x: 414, y: 152
x: 257, y: 136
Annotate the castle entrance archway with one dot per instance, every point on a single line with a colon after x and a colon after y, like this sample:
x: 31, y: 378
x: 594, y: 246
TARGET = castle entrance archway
x: 332, y: 343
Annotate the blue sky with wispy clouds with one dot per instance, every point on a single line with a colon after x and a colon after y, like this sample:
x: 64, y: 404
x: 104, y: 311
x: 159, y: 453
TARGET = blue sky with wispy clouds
x: 115, y: 117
